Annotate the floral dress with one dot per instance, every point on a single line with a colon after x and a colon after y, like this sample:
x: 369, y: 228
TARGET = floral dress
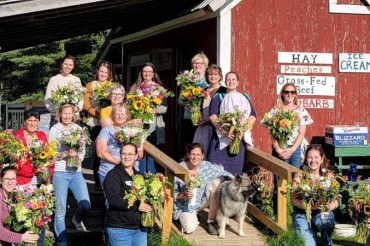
x: 208, y: 172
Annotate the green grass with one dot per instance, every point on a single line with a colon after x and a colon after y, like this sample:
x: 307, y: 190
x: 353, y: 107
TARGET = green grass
x: 155, y: 239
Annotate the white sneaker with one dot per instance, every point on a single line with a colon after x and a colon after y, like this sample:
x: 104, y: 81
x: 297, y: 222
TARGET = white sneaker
x: 79, y: 226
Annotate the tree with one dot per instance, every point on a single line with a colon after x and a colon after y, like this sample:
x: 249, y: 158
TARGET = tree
x: 25, y: 73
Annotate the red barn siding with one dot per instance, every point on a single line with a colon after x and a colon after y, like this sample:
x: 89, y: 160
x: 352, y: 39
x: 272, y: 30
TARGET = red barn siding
x: 260, y: 29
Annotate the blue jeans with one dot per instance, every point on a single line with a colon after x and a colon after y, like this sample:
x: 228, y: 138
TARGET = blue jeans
x: 120, y: 236
x: 295, y: 158
x: 318, y: 223
x: 147, y: 165
x: 101, y: 179
x: 76, y: 183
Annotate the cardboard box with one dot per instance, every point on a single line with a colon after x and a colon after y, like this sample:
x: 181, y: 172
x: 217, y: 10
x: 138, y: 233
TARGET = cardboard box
x: 346, y: 135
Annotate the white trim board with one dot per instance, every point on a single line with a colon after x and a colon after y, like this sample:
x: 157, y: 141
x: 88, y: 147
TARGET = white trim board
x: 334, y: 7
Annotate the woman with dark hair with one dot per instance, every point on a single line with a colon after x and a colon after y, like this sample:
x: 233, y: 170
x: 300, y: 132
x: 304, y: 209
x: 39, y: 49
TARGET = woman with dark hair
x: 124, y: 221
x: 148, y: 77
x: 62, y: 79
x: 219, y: 149
x: 209, y: 177
x: 288, y: 100
x: 28, y: 135
x: 7, y: 237
x: 204, y: 130
x: 318, y: 165
x: 102, y: 75
x: 66, y: 177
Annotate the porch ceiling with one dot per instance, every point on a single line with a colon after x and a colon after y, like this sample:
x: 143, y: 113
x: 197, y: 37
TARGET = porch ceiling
x: 28, y: 23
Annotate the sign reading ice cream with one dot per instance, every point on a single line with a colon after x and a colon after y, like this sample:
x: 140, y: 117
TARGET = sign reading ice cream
x: 354, y: 63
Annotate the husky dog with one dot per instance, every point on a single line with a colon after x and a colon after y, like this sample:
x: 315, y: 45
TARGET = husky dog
x: 232, y: 197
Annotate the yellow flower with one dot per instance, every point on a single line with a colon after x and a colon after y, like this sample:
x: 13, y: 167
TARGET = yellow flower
x: 157, y: 101
x: 196, y: 90
x: 43, y: 155
x: 138, y: 105
x: 367, y: 209
x: 131, y: 96
x: 145, y: 100
x: 185, y: 94
x: 147, y: 109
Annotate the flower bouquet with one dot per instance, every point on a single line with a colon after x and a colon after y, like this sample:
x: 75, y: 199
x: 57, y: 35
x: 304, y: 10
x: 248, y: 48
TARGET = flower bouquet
x: 312, y: 191
x: 263, y: 198
x: 100, y: 94
x: 359, y: 210
x: 43, y: 155
x: 76, y: 139
x: 30, y: 207
x: 191, y: 94
x: 142, y: 100
x: 11, y: 149
x: 71, y: 93
x: 281, y: 125
x: 235, y: 124
x: 195, y: 182
x: 131, y: 134
x: 150, y: 190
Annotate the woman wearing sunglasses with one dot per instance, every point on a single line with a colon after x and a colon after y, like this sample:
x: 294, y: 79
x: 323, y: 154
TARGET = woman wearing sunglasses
x: 288, y: 100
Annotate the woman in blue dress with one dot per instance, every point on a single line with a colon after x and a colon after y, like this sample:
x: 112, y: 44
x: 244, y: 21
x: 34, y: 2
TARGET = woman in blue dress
x: 218, y: 151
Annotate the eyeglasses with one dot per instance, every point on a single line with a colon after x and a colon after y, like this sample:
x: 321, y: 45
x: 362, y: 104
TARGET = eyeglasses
x: 148, y: 72
x: 128, y: 154
x: 289, y: 92
x: 6, y: 180
x: 198, y: 63
x: 117, y: 95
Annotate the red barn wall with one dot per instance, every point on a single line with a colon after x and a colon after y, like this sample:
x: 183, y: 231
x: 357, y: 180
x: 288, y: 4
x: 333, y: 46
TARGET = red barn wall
x: 260, y: 29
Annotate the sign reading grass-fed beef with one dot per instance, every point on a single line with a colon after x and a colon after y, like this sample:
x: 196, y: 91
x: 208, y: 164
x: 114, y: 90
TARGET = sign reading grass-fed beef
x: 308, y: 85
x: 354, y: 63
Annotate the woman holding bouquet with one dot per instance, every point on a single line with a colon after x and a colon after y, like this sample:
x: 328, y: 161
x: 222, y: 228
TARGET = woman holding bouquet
x: 103, y: 74
x: 29, y: 134
x: 62, y: 79
x: 147, y: 78
x: 219, y: 149
x: 204, y: 131
x: 206, y: 178
x: 317, y: 164
x: 107, y: 147
x: 116, y: 95
x: 8, y: 181
x: 288, y: 101
x: 124, y: 221
x: 66, y: 176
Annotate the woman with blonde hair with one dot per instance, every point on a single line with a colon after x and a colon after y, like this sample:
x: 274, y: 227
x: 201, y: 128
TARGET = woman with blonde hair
x: 288, y: 100
x: 66, y: 177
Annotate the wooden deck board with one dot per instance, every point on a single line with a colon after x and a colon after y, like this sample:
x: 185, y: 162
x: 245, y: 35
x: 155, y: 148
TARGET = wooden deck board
x: 202, y: 238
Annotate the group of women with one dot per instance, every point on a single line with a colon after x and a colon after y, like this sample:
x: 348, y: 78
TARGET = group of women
x: 208, y: 156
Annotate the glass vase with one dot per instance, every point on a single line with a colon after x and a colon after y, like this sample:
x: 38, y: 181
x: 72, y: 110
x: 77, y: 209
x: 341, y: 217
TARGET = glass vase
x: 147, y: 219
x: 72, y: 161
x: 196, y: 115
x: 45, y: 176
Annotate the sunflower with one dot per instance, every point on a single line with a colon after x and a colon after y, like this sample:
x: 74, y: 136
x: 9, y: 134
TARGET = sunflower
x: 131, y: 96
x: 145, y: 100
x: 147, y: 109
x: 138, y: 105
x: 43, y: 155
x: 367, y: 209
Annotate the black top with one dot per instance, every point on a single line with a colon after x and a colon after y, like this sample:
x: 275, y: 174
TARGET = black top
x: 116, y: 183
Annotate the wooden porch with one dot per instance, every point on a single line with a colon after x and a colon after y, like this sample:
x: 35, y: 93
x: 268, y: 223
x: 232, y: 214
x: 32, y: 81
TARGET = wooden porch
x: 283, y: 173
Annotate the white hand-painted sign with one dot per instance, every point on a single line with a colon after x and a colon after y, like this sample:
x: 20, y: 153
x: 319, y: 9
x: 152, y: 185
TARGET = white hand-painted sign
x: 354, y: 63
x: 301, y: 69
x: 305, y: 58
x: 308, y: 85
x: 316, y: 103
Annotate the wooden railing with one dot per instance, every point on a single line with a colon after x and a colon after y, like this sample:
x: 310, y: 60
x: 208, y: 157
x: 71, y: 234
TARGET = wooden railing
x: 172, y: 170
x: 283, y: 171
